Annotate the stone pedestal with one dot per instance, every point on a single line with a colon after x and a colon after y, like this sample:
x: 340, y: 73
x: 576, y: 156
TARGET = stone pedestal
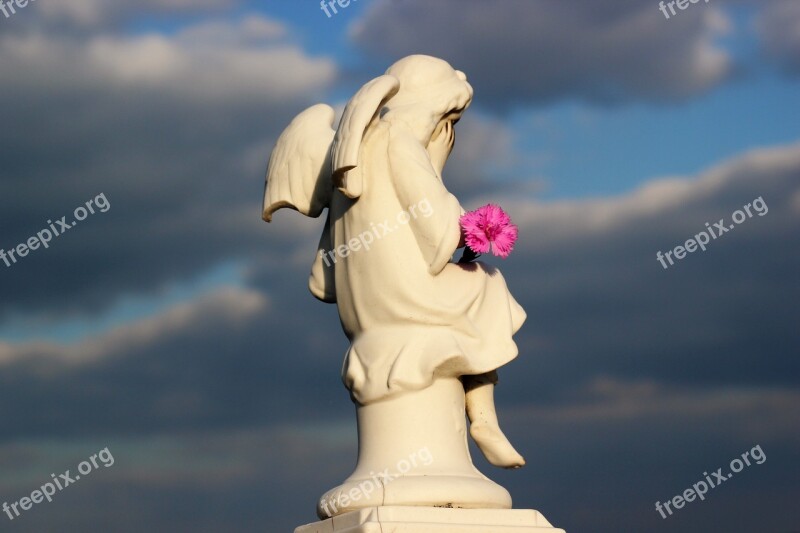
x: 412, y: 451
x: 415, y: 474
x: 399, y: 519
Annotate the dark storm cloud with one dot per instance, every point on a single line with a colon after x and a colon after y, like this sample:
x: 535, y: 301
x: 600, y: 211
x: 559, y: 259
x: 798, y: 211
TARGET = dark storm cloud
x: 534, y: 51
x: 159, y: 126
x: 779, y: 29
x: 175, y: 131
x: 233, y: 480
x: 632, y: 380
x: 228, y: 360
x: 599, y: 301
x: 598, y: 466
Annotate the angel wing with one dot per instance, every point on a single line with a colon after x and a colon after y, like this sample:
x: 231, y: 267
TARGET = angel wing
x: 361, y: 110
x: 299, y: 170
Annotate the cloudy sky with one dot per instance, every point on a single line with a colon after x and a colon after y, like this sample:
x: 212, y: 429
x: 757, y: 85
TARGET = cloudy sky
x: 175, y: 328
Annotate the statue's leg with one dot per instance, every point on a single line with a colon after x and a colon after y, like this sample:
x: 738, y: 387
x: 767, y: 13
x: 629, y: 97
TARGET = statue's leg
x: 484, y: 426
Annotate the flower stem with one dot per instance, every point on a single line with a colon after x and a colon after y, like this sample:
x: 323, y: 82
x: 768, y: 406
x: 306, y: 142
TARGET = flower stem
x: 469, y: 255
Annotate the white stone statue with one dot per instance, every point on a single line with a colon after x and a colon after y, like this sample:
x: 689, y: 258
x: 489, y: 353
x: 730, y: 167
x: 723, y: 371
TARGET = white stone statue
x: 427, y: 334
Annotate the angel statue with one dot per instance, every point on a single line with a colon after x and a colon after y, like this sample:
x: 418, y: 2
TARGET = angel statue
x: 426, y: 333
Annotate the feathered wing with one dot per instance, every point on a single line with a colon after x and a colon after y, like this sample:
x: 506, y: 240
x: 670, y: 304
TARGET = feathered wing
x: 362, y: 109
x: 299, y: 177
x: 299, y: 170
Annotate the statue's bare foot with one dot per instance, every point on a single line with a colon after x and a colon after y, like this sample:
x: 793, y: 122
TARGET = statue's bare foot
x: 484, y: 426
x: 495, y: 446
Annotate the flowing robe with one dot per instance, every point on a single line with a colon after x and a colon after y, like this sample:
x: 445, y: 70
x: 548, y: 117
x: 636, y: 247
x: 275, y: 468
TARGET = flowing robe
x: 410, y: 313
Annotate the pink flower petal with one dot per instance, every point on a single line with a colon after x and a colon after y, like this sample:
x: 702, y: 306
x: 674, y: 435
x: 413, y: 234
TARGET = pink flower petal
x: 489, y: 228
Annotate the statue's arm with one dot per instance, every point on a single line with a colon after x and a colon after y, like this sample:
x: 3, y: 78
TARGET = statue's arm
x: 437, y: 231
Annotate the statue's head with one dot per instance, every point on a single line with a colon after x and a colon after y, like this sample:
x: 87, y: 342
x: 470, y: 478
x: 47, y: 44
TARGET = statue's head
x: 423, y: 92
x: 431, y: 94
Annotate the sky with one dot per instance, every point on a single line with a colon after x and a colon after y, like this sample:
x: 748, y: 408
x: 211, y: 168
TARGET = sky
x: 174, y: 328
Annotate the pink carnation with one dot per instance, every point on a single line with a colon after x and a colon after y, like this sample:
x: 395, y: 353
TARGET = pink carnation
x: 489, y: 228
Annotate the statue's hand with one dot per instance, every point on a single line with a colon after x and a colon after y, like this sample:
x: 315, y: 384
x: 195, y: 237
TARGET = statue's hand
x: 441, y: 145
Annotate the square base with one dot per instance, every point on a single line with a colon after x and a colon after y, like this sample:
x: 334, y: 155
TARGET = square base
x: 399, y: 519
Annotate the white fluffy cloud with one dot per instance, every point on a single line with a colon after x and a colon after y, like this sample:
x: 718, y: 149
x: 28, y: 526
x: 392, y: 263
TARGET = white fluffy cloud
x: 225, y: 307
x: 660, y: 198
x: 87, y: 13
x: 209, y: 62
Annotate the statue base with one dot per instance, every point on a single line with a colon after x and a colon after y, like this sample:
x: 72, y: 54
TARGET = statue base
x: 412, y: 451
x: 433, y: 520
